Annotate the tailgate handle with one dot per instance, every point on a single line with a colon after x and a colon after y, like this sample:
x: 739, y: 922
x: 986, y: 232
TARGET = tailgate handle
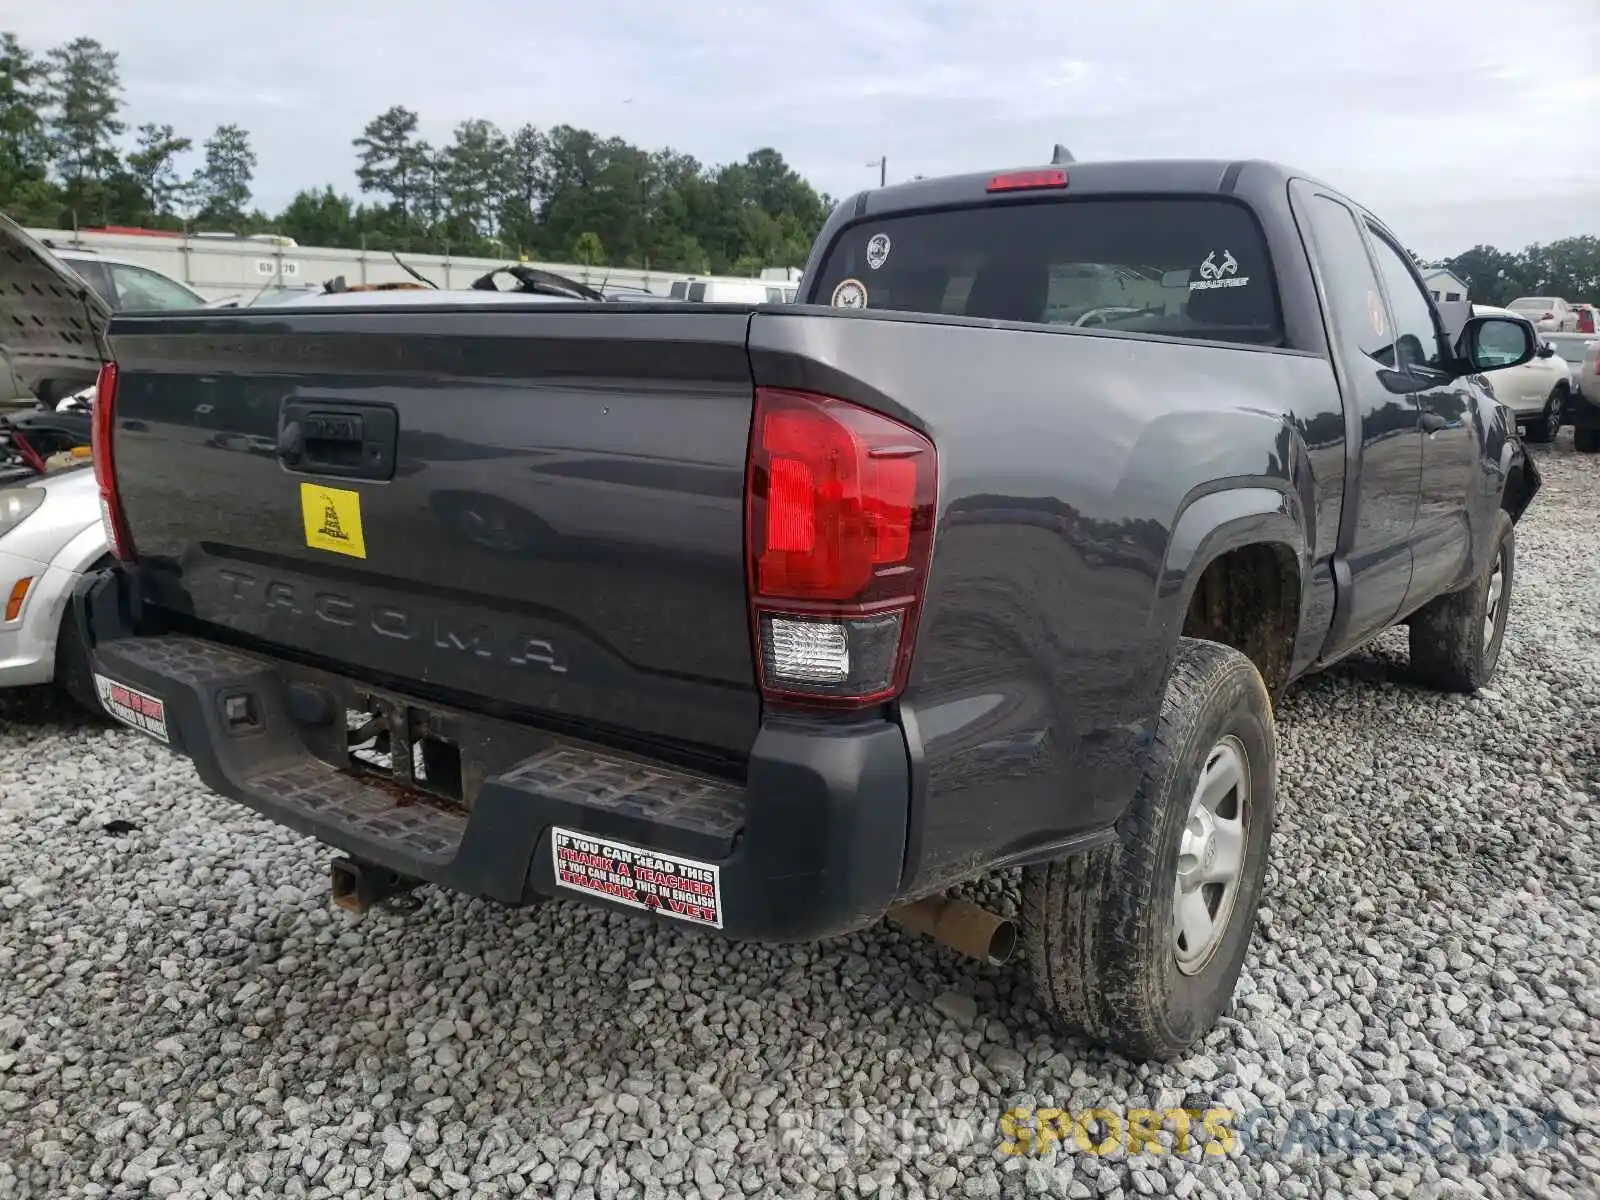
x: 353, y: 441
x: 332, y: 427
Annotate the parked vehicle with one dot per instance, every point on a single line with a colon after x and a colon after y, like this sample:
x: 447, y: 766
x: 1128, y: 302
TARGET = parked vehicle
x: 1582, y: 355
x: 82, y: 289
x: 974, y: 585
x: 1537, y: 391
x: 129, y: 285
x: 50, y: 535
x: 1570, y: 348
x: 732, y: 291
x: 1550, y: 314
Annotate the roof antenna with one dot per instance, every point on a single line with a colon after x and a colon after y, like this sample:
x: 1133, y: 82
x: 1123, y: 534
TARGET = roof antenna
x: 1062, y: 156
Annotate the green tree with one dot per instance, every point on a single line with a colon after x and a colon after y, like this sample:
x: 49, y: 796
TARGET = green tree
x: 1569, y: 267
x: 1492, y: 276
x: 84, y: 99
x: 222, y: 186
x: 319, y: 218
x: 394, y: 161
x: 475, y: 166
x: 588, y: 249
x: 524, y: 184
x: 25, y: 188
x: 153, y: 166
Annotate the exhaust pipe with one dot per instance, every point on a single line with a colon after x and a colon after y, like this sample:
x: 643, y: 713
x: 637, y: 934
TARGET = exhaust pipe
x: 961, y: 925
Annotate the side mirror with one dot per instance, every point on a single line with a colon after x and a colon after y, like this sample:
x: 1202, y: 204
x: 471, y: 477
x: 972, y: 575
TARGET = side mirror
x: 1493, y: 344
x: 1546, y: 350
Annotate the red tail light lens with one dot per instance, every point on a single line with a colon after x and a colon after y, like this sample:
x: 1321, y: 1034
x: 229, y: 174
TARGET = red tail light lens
x: 105, y: 472
x: 1022, y: 181
x: 839, y: 525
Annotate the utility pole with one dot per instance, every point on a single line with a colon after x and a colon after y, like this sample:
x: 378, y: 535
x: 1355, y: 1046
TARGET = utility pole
x: 883, y: 170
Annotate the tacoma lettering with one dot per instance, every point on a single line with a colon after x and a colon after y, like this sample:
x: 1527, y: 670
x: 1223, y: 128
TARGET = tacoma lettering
x: 478, y: 641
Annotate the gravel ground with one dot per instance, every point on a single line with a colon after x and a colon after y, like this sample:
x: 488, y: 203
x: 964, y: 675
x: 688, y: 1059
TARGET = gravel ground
x: 183, y: 1014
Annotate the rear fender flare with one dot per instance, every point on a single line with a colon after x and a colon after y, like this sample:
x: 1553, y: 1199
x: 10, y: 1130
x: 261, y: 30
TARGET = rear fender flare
x: 1210, y: 525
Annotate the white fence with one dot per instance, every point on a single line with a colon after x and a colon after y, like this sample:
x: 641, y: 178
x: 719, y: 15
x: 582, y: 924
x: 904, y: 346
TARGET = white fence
x: 218, y: 269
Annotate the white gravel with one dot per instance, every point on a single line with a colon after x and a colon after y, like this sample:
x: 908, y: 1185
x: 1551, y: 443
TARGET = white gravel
x: 183, y: 1014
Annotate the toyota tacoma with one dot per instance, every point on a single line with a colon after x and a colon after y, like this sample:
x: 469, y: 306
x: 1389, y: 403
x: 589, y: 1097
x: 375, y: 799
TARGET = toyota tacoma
x: 992, y: 551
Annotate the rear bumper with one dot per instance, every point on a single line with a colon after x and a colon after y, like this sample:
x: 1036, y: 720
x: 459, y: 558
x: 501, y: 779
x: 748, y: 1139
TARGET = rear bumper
x: 810, y: 846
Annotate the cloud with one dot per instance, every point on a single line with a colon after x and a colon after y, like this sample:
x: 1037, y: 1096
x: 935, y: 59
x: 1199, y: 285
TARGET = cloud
x: 1458, y: 121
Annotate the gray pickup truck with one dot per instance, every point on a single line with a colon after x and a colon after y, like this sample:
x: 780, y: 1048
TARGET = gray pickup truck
x: 992, y: 551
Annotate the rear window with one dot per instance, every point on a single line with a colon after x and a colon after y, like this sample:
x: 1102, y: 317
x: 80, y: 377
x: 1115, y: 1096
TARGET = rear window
x: 1181, y: 266
x: 1572, y: 349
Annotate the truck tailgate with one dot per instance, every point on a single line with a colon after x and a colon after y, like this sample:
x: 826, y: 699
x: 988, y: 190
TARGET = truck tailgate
x: 533, y: 511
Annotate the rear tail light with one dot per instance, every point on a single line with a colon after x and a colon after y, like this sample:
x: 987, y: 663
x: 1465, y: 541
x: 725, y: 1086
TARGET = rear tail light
x: 839, y: 506
x: 105, y: 471
x: 1023, y: 181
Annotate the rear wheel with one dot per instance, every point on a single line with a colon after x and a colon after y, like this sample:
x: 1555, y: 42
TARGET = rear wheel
x: 1456, y: 639
x: 1544, y: 428
x: 1139, y: 945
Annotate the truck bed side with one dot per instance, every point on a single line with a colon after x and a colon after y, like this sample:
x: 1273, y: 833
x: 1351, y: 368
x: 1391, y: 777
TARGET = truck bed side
x: 1061, y: 567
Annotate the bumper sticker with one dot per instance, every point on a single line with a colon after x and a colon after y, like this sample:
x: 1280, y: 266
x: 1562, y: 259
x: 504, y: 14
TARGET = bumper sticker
x: 132, y: 707
x: 851, y: 293
x: 647, y: 879
x: 332, y: 518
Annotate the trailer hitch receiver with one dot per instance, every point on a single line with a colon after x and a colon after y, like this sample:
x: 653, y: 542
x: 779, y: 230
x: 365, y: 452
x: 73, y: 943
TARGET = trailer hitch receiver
x: 358, y: 885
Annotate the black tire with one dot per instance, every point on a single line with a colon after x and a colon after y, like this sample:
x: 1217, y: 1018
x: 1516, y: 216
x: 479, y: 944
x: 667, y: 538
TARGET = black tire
x: 1100, y: 928
x: 1585, y: 441
x: 1542, y: 430
x: 1454, y: 646
x: 74, y: 674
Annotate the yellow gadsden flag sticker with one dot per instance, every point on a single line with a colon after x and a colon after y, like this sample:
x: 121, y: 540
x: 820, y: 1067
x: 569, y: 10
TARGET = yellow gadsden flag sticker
x: 333, y: 519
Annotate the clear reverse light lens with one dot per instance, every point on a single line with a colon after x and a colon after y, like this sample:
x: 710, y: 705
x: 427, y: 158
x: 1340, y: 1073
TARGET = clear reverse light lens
x: 850, y: 656
x: 807, y: 651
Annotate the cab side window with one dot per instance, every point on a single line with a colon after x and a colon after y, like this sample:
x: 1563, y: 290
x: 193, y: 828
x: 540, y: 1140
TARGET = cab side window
x: 94, y: 274
x: 140, y: 289
x: 1361, y: 321
x: 1416, y: 333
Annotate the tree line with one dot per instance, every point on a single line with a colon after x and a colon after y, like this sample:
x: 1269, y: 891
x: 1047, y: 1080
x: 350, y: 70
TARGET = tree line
x: 68, y: 159
x: 1569, y: 267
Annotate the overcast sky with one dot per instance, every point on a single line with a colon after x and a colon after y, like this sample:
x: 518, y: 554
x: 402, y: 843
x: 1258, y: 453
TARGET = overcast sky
x: 1458, y: 121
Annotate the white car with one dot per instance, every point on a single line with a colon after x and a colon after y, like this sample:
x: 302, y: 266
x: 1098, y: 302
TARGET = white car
x: 72, y: 293
x: 129, y: 285
x: 50, y: 535
x: 1536, y: 391
x: 1549, y: 314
